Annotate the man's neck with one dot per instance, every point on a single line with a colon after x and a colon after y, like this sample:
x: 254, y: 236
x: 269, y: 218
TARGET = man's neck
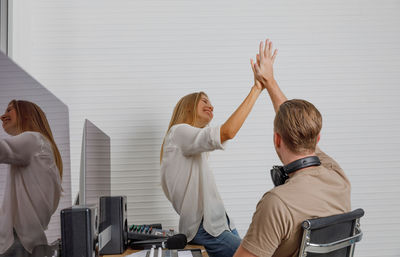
x: 290, y: 157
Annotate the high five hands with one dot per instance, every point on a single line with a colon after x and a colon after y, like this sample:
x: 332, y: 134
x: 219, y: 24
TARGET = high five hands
x: 263, y: 67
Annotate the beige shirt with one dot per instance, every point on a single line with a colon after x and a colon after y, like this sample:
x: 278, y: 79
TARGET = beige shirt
x: 313, y: 192
x: 188, y: 181
x: 32, y: 191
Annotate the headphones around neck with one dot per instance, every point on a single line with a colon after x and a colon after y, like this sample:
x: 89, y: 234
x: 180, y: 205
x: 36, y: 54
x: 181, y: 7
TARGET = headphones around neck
x: 280, y: 174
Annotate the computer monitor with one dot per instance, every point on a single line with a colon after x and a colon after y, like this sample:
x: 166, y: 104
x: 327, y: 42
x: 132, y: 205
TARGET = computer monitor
x: 95, y: 170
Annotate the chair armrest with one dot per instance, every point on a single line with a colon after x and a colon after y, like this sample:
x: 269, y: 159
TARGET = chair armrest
x: 326, y: 248
x: 335, y: 219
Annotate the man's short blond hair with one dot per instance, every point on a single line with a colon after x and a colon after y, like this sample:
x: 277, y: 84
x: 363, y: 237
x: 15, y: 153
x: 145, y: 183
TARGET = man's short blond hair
x: 299, y: 123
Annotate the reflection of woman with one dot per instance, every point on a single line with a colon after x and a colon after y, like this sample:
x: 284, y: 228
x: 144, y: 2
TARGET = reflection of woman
x: 186, y: 177
x: 33, y: 184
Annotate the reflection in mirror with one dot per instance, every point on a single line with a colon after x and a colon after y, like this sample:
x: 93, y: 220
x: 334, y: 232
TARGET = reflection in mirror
x: 15, y: 83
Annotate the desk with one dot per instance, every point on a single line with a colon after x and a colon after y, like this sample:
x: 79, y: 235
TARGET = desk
x: 129, y: 251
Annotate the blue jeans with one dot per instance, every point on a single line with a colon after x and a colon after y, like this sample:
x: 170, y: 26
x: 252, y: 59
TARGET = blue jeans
x: 16, y: 249
x: 224, y: 245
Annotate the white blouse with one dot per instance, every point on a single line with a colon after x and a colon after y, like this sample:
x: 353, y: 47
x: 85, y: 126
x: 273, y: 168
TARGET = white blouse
x: 188, y: 181
x: 32, y: 191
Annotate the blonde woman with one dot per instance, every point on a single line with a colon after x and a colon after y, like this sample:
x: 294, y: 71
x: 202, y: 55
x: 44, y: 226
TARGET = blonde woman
x: 33, y: 184
x: 186, y: 177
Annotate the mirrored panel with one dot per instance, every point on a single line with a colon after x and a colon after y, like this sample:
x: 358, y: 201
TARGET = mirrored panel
x: 15, y: 83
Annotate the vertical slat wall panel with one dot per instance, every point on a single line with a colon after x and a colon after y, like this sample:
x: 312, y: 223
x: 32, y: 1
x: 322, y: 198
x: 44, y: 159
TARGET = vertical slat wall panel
x: 124, y: 64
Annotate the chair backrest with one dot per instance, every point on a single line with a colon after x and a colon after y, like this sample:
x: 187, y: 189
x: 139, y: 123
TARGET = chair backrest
x: 333, y: 236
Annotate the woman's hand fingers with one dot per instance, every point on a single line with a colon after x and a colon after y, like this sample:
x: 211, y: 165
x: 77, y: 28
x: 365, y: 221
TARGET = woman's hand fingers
x: 252, y: 65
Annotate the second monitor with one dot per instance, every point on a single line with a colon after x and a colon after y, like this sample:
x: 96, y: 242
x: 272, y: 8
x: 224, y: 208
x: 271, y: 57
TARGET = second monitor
x: 95, y: 171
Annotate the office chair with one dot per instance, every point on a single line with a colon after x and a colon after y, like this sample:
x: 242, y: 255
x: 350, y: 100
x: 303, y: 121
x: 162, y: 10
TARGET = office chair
x: 332, y: 236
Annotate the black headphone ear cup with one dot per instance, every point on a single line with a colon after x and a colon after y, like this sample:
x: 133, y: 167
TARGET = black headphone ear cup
x: 278, y: 175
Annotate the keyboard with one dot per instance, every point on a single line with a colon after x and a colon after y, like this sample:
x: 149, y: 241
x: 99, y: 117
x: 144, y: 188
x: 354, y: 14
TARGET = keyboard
x: 174, y: 253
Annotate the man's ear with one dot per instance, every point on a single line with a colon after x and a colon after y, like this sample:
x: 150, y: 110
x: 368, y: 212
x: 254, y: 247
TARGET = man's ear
x: 318, y: 138
x: 277, y: 140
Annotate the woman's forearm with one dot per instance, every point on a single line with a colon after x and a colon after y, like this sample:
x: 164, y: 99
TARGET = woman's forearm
x: 230, y: 128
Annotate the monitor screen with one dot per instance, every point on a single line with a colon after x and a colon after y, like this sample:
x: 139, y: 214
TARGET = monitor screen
x: 95, y: 172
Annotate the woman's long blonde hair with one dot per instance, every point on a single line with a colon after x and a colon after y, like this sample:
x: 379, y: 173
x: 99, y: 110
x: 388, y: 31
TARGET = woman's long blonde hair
x: 30, y: 117
x: 185, y: 111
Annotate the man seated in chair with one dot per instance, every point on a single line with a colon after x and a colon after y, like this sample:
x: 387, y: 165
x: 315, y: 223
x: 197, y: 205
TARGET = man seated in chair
x: 312, y: 189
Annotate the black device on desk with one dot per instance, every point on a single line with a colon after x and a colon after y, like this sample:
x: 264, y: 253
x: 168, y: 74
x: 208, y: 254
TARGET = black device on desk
x: 147, y: 232
x: 178, y: 241
x: 113, y: 225
x: 79, y: 231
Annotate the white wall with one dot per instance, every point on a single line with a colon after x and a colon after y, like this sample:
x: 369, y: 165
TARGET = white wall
x: 124, y: 64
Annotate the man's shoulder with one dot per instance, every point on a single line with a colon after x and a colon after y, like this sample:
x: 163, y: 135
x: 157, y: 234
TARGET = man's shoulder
x: 290, y: 188
x: 271, y: 200
x: 326, y: 160
x: 318, y: 188
x: 297, y: 188
x: 271, y: 224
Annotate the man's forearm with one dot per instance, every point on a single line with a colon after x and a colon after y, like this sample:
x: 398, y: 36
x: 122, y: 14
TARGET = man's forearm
x: 275, y: 93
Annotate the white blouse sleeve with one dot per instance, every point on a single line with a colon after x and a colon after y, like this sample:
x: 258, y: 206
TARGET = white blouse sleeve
x: 18, y: 150
x: 192, y: 140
